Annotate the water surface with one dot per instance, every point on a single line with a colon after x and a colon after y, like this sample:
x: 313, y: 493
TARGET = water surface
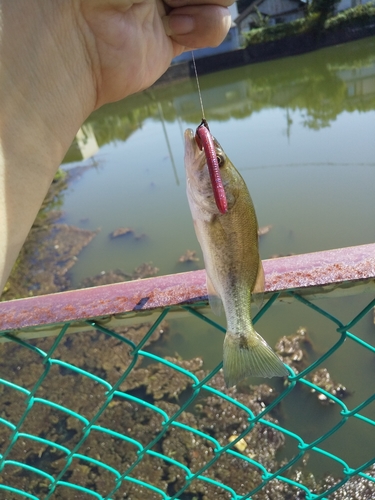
x: 301, y: 132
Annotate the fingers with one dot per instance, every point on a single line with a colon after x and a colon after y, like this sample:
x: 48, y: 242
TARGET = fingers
x: 197, y: 26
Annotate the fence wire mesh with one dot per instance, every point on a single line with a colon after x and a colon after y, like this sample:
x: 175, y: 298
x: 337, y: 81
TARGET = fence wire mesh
x: 136, y: 425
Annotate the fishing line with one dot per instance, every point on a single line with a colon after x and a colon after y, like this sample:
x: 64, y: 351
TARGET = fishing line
x: 205, y: 142
x: 199, y: 88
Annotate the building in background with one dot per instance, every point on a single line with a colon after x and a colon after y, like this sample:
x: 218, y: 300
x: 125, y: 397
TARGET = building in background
x: 270, y: 12
x: 261, y: 13
x: 348, y: 4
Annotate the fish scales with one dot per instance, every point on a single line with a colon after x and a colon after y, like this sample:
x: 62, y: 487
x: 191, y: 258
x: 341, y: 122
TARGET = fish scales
x: 229, y: 244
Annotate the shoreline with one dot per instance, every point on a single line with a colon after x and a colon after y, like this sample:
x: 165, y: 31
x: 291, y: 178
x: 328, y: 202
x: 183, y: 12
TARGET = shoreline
x: 267, y: 51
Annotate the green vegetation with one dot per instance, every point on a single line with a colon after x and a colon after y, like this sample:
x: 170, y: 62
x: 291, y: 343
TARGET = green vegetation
x: 263, y: 20
x: 278, y: 31
x: 358, y: 16
x: 318, y: 19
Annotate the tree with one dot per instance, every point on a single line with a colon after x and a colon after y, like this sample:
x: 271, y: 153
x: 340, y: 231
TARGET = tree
x: 262, y: 21
x: 323, y: 7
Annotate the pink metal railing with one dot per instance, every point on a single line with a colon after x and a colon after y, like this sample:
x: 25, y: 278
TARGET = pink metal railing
x: 333, y: 272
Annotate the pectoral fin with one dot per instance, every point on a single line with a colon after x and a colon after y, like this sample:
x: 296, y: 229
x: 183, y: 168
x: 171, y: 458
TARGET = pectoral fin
x: 214, y: 298
x: 259, y: 282
x: 258, y: 289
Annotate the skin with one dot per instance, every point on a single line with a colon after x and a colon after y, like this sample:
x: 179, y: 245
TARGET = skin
x: 229, y: 243
x: 62, y: 59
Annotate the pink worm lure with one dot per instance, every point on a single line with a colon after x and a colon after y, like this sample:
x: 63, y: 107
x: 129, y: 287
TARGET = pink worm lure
x: 204, y: 140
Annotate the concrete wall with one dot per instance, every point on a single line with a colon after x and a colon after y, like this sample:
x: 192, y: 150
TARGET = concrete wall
x: 289, y: 46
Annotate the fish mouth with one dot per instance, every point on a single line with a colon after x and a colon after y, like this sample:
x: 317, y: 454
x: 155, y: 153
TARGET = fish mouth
x: 192, y: 151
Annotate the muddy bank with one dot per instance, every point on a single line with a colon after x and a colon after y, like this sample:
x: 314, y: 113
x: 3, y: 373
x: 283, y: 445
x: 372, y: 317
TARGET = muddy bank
x: 48, y: 254
x: 145, y: 270
x: 53, y: 247
x: 109, y: 358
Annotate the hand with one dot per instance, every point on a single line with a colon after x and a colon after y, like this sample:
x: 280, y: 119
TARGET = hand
x: 130, y: 43
x: 81, y: 54
x: 60, y: 60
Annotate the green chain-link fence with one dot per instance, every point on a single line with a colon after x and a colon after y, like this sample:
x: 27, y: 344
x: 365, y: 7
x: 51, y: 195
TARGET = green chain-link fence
x: 99, y: 415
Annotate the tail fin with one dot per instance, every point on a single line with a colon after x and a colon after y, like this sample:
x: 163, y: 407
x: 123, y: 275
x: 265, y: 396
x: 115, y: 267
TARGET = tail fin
x: 249, y: 355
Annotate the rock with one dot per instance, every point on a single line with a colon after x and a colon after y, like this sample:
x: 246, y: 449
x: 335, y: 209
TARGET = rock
x: 323, y: 379
x: 121, y: 231
x: 292, y: 348
x: 241, y: 445
x: 145, y: 270
x: 105, y: 278
x: 264, y: 230
x: 189, y: 256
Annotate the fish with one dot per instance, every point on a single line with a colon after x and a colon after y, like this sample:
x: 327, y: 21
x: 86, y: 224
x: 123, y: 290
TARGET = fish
x: 229, y: 243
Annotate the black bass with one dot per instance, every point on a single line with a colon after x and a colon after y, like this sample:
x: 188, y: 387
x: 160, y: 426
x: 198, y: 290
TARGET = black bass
x: 229, y: 243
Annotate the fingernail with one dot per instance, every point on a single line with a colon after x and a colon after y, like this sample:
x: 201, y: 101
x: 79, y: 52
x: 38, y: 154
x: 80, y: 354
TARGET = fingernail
x: 178, y: 24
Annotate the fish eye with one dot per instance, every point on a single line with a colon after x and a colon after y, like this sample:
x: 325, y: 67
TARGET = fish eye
x: 220, y: 159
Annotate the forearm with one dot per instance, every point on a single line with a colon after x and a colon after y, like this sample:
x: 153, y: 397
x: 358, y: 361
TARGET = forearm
x: 43, y: 104
x: 27, y: 167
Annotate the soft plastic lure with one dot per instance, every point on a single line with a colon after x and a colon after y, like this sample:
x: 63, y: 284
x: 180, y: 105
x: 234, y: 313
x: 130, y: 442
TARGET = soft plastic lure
x: 205, y: 141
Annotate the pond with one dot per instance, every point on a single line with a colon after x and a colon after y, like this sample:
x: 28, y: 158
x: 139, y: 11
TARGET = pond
x: 301, y: 132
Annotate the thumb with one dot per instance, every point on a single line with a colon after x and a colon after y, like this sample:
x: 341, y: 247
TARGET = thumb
x: 198, y: 26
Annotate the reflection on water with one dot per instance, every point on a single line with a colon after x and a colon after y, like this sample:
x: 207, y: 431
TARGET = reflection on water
x: 301, y: 132
x: 299, y: 129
